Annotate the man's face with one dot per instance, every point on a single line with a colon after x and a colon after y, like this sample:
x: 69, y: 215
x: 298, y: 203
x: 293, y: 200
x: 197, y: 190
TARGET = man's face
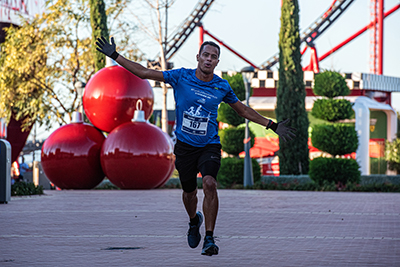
x: 208, y: 59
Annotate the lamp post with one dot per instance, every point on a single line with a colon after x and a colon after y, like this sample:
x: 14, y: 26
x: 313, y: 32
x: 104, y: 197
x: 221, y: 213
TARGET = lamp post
x: 80, y: 88
x: 247, y: 74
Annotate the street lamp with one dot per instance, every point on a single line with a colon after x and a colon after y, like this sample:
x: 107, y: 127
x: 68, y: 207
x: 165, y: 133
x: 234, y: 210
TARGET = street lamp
x: 247, y: 74
x: 80, y: 88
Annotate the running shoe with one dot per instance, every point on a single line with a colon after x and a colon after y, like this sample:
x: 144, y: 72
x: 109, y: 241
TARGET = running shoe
x: 193, y: 234
x: 209, y: 247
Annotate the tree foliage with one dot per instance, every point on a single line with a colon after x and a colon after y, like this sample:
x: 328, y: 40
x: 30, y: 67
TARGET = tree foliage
x: 336, y: 139
x: 231, y: 171
x: 330, y: 84
x: 293, y: 155
x: 392, y: 154
x: 332, y: 109
x: 232, y: 139
x: 227, y: 114
x: 98, y: 21
x: 237, y: 84
x: 43, y: 59
x: 335, y: 170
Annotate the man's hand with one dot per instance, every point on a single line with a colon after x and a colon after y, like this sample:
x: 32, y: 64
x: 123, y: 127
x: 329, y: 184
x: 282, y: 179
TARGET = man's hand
x: 107, y: 49
x: 283, y: 131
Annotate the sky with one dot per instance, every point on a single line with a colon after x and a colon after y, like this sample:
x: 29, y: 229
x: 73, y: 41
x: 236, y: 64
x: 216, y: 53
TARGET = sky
x: 252, y: 29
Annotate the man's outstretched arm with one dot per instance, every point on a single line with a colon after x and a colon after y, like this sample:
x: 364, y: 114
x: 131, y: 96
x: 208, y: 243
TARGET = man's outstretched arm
x: 280, y: 128
x: 110, y: 50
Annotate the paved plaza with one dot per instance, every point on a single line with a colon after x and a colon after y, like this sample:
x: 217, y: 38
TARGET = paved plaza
x: 148, y: 228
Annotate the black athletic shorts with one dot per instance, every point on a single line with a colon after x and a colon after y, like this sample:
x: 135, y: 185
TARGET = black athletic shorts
x: 191, y: 160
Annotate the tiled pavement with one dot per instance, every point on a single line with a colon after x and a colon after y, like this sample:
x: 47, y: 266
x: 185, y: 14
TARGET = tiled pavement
x: 148, y: 228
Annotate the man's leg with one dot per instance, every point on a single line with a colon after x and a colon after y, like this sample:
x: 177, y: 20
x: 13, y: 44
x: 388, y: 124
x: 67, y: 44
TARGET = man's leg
x: 185, y: 163
x: 190, y: 202
x: 210, y: 209
x: 189, y: 197
x: 210, y: 202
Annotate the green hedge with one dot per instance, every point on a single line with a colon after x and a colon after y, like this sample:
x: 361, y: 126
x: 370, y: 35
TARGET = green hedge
x: 326, y: 186
x: 232, y: 140
x: 334, y: 170
x: 336, y: 139
x: 332, y: 109
x: 228, y: 115
x: 25, y: 189
x: 231, y: 171
x: 330, y: 84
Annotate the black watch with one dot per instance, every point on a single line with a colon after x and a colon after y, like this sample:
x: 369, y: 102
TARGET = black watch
x: 272, y: 125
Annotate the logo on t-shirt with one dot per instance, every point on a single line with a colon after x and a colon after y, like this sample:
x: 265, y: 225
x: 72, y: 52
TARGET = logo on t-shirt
x: 202, y: 100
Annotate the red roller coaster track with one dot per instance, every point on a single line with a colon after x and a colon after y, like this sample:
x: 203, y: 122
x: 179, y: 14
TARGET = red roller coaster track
x: 358, y: 33
x: 311, y: 33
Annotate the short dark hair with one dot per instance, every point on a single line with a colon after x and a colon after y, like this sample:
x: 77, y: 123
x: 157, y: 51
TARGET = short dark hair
x: 209, y: 43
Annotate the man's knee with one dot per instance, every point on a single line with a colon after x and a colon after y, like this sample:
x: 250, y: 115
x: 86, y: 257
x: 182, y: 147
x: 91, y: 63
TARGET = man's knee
x: 189, y: 186
x: 191, y: 194
x: 209, y: 183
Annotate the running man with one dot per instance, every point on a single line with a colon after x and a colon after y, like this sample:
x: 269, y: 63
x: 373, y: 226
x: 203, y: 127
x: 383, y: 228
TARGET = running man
x: 198, y: 93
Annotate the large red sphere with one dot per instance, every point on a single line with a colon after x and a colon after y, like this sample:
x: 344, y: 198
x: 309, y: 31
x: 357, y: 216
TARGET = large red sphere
x: 110, y: 97
x: 137, y: 155
x: 171, y: 171
x: 71, y: 156
x: 16, y: 136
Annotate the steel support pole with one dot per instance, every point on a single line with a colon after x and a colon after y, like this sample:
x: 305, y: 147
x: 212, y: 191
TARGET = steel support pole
x: 381, y: 16
x: 248, y: 168
x: 201, y: 32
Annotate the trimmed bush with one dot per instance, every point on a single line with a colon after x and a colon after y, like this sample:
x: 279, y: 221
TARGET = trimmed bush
x: 330, y: 84
x: 237, y: 84
x: 232, y: 140
x: 332, y: 109
x: 228, y: 115
x: 225, y: 112
x: 25, y: 189
x: 231, y: 171
x: 334, y: 170
x: 336, y: 139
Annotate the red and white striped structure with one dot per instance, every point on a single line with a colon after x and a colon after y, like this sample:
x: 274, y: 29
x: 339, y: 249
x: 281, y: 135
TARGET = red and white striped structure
x: 11, y: 10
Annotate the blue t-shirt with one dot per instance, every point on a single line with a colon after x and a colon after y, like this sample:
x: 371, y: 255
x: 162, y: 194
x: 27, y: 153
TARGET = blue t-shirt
x: 197, y: 105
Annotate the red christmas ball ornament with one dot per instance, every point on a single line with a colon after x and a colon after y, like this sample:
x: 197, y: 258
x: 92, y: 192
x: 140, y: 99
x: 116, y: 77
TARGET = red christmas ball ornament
x: 137, y: 155
x: 71, y: 156
x: 110, y: 97
x: 171, y: 171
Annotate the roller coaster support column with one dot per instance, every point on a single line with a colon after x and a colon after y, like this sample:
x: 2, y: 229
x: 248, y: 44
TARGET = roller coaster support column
x: 381, y: 16
x: 201, y: 34
x: 314, y: 63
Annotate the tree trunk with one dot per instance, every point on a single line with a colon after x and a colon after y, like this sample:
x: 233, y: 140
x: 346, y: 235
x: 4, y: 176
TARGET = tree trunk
x: 163, y: 63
